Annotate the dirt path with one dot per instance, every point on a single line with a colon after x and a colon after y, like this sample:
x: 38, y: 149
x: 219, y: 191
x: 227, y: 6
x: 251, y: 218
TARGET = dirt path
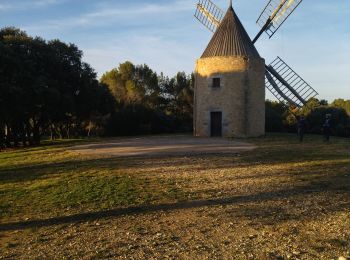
x: 164, y: 145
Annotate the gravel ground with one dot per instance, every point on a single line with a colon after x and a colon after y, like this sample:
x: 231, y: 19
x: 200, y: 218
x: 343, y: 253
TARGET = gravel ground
x: 254, y: 205
x: 163, y: 145
x: 275, y: 230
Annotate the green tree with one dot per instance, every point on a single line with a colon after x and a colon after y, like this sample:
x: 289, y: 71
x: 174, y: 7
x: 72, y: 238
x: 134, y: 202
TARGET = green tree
x: 341, y: 103
x: 45, y: 87
x: 274, y: 116
x: 147, y: 102
x: 178, y: 92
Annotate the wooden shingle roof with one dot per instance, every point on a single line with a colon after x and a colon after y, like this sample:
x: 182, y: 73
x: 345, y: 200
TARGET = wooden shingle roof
x: 230, y: 39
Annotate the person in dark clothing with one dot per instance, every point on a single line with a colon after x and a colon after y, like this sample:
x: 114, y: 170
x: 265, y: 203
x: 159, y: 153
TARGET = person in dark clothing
x: 327, y: 128
x: 301, y: 128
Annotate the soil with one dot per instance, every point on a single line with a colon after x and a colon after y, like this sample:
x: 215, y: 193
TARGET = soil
x: 163, y: 145
x: 283, y: 200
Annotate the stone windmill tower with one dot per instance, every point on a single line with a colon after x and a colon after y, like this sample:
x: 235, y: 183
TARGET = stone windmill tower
x: 230, y: 80
x: 230, y: 76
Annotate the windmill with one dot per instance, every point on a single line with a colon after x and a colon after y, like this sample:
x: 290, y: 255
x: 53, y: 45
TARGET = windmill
x: 280, y: 79
x: 232, y: 58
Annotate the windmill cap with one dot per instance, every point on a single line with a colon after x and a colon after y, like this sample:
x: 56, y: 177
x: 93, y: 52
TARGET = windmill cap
x: 230, y: 39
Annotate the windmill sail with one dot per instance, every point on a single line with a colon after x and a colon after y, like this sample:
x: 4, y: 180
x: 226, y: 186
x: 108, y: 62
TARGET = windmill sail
x: 209, y: 14
x: 273, y: 87
x: 286, y: 85
x: 283, y: 11
x: 274, y: 15
x: 282, y: 81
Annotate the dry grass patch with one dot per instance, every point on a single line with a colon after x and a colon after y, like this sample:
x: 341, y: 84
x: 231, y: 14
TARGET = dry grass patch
x: 282, y: 200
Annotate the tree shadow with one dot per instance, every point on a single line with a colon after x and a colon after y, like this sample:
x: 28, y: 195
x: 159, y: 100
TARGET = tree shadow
x: 195, y: 162
x: 319, y: 180
x: 261, y: 210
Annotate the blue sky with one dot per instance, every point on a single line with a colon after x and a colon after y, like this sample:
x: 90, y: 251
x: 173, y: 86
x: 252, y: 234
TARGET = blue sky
x: 164, y: 34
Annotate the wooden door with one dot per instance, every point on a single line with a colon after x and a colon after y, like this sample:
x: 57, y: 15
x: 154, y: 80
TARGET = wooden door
x: 216, y: 124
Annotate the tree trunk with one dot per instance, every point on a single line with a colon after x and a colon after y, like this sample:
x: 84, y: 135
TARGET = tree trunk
x: 89, y: 129
x: 15, y: 135
x: 60, y: 132
x: 7, y: 136
x: 24, y: 138
x: 36, y: 134
x: 2, y: 137
x: 29, y: 134
x: 52, y: 134
x: 67, y: 131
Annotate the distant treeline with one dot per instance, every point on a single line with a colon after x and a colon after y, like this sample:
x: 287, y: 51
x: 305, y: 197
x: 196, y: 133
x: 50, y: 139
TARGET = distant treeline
x: 147, y: 103
x: 281, y: 119
x: 46, y: 90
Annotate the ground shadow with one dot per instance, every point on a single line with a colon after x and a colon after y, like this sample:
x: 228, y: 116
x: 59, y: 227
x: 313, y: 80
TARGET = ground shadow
x: 288, y: 193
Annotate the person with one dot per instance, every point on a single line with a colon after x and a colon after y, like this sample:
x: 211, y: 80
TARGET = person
x: 301, y: 128
x: 327, y: 128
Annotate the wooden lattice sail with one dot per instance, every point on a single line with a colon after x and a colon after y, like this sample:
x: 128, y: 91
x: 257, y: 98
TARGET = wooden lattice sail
x: 280, y: 79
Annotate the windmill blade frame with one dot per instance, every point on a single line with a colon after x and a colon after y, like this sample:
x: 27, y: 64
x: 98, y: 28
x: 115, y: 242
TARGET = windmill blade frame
x: 280, y: 79
x: 273, y: 87
x: 286, y: 85
x: 273, y: 16
x: 209, y: 14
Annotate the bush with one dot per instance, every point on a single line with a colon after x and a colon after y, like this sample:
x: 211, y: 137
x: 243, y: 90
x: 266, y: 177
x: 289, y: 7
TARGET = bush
x: 279, y: 118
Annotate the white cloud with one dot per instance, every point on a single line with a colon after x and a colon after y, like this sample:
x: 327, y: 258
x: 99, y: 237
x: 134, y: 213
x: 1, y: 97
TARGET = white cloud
x: 45, y: 2
x: 145, y: 9
x: 160, y: 54
x: 167, y: 38
x: 23, y: 5
x: 4, y: 7
x: 108, y: 13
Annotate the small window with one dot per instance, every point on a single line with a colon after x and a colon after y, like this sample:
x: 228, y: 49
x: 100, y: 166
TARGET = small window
x: 216, y: 82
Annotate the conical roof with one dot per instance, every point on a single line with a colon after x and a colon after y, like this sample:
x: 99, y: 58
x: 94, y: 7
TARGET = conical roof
x: 230, y: 39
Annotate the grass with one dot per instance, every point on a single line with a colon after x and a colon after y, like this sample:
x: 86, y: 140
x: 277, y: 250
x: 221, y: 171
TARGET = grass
x: 281, y: 175
x: 51, y: 181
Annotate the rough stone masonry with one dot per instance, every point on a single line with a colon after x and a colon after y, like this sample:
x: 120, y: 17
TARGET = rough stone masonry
x: 230, y: 84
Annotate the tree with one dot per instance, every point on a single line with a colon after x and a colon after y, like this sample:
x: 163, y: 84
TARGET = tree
x: 341, y: 103
x: 178, y: 93
x: 45, y: 88
x: 148, y: 103
x: 275, y: 113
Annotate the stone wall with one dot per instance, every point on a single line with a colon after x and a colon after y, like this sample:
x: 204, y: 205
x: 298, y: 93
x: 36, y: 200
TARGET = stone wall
x: 241, y: 97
